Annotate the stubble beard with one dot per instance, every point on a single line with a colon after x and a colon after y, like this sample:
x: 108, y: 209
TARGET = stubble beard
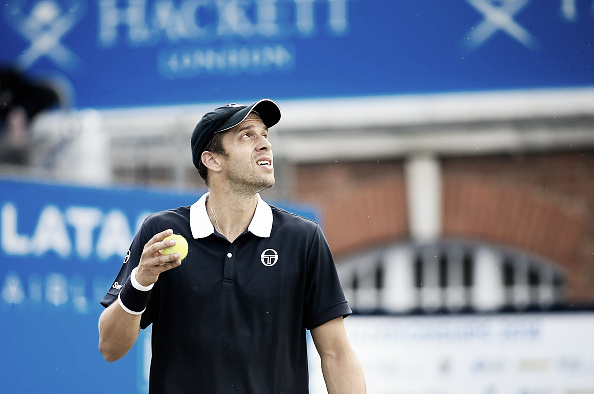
x: 250, y: 185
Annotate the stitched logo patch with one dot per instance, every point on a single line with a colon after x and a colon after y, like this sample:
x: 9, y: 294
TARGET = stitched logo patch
x: 269, y: 257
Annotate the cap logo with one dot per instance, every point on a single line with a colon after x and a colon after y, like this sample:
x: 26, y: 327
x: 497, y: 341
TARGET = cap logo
x: 269, y: 257
x: 233, y: 105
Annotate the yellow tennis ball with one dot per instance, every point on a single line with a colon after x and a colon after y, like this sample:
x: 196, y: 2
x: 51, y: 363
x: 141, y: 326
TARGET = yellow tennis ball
x: 181, y: 246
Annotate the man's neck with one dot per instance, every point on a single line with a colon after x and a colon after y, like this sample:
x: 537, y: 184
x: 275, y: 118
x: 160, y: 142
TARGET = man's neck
x: 230, y: 213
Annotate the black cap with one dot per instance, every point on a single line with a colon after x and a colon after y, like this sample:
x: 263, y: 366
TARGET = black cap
x: 224, y: 118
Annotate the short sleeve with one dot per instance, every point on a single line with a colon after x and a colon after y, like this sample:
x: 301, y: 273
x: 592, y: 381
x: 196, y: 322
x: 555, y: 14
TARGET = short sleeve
x: 324, y: 297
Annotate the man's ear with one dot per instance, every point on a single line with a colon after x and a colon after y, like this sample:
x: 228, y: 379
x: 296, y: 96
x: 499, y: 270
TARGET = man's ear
x: 210, y: 161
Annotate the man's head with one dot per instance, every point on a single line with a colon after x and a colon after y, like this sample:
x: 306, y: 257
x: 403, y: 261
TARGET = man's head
x: 207, y: 133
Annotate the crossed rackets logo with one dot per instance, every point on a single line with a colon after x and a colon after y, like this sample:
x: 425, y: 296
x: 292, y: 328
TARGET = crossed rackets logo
x: 499, y: 16
x: 44, y: 24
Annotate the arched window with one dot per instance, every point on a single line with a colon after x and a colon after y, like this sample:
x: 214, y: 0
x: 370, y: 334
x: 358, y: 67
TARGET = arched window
x: 450, y: 276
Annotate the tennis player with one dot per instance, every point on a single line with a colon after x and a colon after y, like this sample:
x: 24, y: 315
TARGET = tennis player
x: 232, y: 316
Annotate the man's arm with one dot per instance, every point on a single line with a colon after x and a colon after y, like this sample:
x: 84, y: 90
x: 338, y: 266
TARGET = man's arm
x: 118, y: 329
x: 342, y: 372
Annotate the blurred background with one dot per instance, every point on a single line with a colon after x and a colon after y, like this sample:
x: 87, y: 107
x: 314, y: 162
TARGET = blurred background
x: 446, y: 148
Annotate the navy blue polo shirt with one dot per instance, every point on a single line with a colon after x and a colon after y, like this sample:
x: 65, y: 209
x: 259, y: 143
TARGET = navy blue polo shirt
x: 233, y: 317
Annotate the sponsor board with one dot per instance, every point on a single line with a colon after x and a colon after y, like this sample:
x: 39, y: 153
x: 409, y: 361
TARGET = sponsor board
x: 122, y: 53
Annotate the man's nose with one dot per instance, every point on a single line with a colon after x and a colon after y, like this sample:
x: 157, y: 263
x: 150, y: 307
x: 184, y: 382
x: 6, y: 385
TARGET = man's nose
x: 264, y: 144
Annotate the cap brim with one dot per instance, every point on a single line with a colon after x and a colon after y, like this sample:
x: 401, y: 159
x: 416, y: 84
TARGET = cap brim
x: 267, y: 109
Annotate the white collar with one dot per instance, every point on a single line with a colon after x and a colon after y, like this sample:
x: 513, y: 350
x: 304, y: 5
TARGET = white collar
x: 201, y: 226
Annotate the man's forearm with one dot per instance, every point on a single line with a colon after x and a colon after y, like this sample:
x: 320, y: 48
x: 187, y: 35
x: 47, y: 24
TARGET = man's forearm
x: 343, y: 374
x: 118, y: 331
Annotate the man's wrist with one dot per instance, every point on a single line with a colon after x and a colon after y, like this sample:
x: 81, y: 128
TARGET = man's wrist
x: 134, y: 297
x: 137, y: 284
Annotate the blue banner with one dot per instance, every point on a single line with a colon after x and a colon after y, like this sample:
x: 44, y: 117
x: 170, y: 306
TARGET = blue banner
x: 118, y: 53
x: 60, y: 249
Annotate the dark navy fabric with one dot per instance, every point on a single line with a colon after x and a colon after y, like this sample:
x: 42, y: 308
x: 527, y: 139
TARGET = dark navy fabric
x: 233, y: 318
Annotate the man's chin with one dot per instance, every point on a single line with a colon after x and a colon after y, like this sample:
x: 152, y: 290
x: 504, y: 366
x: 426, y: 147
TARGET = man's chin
x: 267, y: 185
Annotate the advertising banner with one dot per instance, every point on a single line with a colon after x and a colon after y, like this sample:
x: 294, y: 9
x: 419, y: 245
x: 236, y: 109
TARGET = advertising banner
x: 123, y: 53
x: 537, y: 353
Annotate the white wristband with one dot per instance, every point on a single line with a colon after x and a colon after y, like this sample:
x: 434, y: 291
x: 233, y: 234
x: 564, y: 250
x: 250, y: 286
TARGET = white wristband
x: 137, y: 285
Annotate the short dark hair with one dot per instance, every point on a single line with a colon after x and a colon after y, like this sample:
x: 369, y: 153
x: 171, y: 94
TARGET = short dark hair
x: 215, y: 145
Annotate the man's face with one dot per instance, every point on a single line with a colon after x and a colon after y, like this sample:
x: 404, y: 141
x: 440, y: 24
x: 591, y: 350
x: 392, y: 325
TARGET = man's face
x: 248, y: 163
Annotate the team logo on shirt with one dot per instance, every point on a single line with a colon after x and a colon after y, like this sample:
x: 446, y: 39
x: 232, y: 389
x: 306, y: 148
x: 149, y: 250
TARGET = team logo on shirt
x: 269, y: 257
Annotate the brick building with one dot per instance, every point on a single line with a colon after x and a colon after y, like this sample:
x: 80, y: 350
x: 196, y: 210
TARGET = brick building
x: 504, y: 180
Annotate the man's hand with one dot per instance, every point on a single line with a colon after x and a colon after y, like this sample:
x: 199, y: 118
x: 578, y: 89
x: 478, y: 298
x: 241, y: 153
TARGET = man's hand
x: 153, y: 262
x: 118, y: 329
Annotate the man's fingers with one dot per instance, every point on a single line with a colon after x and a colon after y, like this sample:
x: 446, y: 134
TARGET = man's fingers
x: 153, y: 262
x: 160, y: 266
x: 154, y: 246
x: 159, y: 237
x: 170, y: 265
x: 166, y: 259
